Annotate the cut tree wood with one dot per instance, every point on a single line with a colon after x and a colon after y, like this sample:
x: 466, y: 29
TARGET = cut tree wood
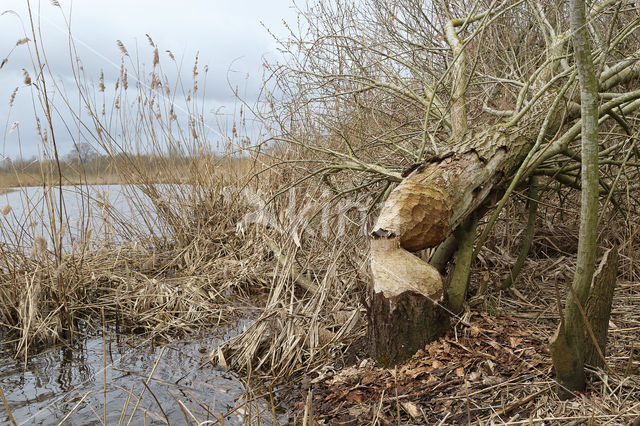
x: 427, y: 206
x: 421, y: 212
x: 384, y: 100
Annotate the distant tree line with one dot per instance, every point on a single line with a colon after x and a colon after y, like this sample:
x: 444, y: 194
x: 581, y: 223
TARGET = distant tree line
x: 84, y: 162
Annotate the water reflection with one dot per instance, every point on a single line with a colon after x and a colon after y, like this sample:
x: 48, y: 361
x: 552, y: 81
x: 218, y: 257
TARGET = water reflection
x: 51, y: 384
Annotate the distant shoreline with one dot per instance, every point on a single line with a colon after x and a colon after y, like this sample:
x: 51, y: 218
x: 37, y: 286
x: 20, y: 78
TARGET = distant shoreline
x: 13, y: 180
x: 4, y: 189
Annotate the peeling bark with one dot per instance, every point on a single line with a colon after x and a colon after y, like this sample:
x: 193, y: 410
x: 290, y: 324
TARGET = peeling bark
x: 598, y: 307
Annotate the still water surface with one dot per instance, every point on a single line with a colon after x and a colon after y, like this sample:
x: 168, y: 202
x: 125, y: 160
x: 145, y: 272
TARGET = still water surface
x: 51, y: 384
x: 99, y: 213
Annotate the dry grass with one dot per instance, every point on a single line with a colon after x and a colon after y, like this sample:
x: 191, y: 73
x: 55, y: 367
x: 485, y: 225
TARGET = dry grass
x: 104, y: 171
x: 15, y: 180
x: 167, y: 287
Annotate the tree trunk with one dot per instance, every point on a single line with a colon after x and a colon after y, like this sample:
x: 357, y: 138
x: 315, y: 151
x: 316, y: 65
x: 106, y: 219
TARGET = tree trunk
x: 569, y: 341
x: 457, y: 289
x: 402, y: 319
x: 528, y: 236
x: 401, y: 324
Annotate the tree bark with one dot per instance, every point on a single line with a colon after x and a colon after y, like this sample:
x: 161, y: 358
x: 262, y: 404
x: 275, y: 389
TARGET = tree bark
x: 598, y: 308
x: 402, y: 319
x: 400, y: 326
x: 457, y: 289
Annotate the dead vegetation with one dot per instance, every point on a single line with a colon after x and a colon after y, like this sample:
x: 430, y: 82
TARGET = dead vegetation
x: 167, y: 287
x: 493, y: 367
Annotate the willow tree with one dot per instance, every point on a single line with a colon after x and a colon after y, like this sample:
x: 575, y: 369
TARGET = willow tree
x: 442, y: 109
x: 567, y: 346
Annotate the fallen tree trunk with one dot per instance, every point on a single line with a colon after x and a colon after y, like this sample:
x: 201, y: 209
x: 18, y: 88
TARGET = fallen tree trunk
x: 439, y: 194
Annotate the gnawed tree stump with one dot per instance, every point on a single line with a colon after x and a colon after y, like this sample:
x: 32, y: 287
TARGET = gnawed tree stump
x: 402, y: 324
x: 404, y: 311
x: 427, y: 206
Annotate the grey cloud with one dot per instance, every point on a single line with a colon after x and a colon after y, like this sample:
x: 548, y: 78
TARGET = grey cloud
x: 227, y: 34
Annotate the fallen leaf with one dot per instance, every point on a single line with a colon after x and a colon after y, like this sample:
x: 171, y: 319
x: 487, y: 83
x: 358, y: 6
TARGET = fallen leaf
x: 221, y: 361
x: 491, y: 380
x: 354, y: 396
x: 368, y: 379
x: 411, y: 409
x: 460, y: 371
x: 433, y: 349
x: 493, y: 344
x: 436, y: 364
x: 491, y: 365
x: 414, y: 374
x: 358, y: 411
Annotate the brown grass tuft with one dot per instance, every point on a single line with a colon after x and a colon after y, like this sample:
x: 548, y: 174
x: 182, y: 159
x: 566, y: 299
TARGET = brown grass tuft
x: 123, y: 49
x: 27, y: 78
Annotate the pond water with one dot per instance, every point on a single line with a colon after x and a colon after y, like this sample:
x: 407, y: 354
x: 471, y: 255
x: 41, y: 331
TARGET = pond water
x: 97, y: 377
x: 70, y: 381
x: 98, y: 210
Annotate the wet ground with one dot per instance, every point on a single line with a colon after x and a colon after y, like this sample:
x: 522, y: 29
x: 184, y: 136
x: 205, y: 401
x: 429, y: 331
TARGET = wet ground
x: 68, y: 383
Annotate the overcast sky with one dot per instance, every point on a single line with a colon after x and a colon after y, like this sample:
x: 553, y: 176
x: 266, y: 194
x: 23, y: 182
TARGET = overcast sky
x: 228, y: 34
